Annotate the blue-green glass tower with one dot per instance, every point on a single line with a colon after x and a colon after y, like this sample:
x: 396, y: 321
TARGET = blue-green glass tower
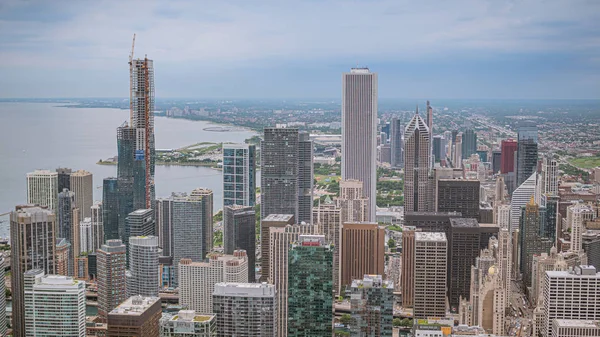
x: 110, y: 208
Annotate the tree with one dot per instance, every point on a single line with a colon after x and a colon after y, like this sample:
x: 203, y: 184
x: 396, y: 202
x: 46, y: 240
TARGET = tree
x: 346, y: 319
x: 396, y: 322
x: 391, y: 243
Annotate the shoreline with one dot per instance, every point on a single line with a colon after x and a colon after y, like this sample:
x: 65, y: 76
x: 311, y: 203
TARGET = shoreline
x: 162, y: 163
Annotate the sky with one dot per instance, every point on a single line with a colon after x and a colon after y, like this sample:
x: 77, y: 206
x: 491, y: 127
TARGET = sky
x: 497, y: 49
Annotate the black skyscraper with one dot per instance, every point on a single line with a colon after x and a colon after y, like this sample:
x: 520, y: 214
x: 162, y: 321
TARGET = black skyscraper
x: 527, y: 152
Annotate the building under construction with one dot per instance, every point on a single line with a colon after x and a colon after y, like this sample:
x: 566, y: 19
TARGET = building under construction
x: 135, y: 142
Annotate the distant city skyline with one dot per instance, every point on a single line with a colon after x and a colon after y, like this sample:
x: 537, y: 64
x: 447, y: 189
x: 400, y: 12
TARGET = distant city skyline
x: 465, y: 49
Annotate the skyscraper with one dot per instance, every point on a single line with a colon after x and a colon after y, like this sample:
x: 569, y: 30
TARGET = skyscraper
x: 136, y: 317
x: 126, y: 138
x: 110, y: 209
x: 520, y: 197
x: 41, y: 188
x: 82, y: 186
x: 507, y: 161
x: 310, y: 287
x: 68, y: 225
x: 353, y: 204
x: 417, y: 164
x: 245, y: 309
x: 527, y: 153
x: 64, y: 178
x: 143, y: 266
x: 577, y: 215
x: 33, y: 246
x: 469, y: 143
x: 531, y: 243
x: 271, y: 221
x: 430, y: 275
x: 62, y: 256
x: 85, y: 236
x: 408, y: 268
x: 438, y: 151
x: 139, y: 223
x: 54, y: 305
x: 239, y: 232
x: 372, y: 306
x: 205, y: 195
x: 459, y: 195
x: 328, y: 218
x: 359, y: 131
x: 549, y: 175
x: 430, y: 119
x: 186, y: 323
x: 97, y: 226
x: 396, y: 143
x: 3, y: 263
x: 111, y: 281
x: 197, y: 279
x: 496, y: 161
x: 239, y: 174
x: 305, y: 177
x: 362, y: 251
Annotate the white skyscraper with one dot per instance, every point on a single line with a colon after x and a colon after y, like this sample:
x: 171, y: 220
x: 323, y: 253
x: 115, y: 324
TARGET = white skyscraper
x: 417, y: 144
x: 54, y: 305
x: 576, y: 217
x: 41, y: 188
x: 97, y: 226
x: 359, y: 131
x: 85, y: 236
x: 142, y: 278
x: 520, y: 198
x: 197, y: 279
x: 550, y: 175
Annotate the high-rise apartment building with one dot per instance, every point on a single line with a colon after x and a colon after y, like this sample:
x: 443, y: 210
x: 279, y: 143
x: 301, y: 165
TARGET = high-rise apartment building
x: 430, y: 272
x: 139, y: 223
x: 239, y: 232
x: 143, y: 266
x: 41, y: 188
x: 64, y: 178
x: 310, y: 287
x: 353, y: 204
x: 68, y: 217
x: 245, y: 309
x: 459, y: 195
x: 136, y: 317
x: 85, y: 236
x: 97, y: 226
x: 570, y: 295
x: 372, y: 306
x: 281, y: 239
x: 359, y: 131
x: 469, y: 143
x: 54, y: 305
x: 62, y: 256
x: 197, y: 279
x: 305, y: 177
x: 396, y: 143
x: 110, y: 209
x: 206, y: 196
x: 186, y: 323
x: 110, y: 278
x: 520, y: 197
x: 239, y: 174
x: 362, y: 251
x: 417, y: 144
x: 33, y: 246
x: 271, y: 221
x: 527, y: 153
x: 83, y: 187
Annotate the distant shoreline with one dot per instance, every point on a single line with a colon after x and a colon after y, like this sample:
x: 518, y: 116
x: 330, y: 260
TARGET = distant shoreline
x: 164, y: 163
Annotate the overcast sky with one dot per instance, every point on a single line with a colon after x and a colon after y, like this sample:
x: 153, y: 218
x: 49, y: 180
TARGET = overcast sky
x: 298, y: 49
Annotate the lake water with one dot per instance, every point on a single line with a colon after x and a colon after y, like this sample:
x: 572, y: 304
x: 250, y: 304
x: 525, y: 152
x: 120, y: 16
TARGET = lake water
x: 44, y: 136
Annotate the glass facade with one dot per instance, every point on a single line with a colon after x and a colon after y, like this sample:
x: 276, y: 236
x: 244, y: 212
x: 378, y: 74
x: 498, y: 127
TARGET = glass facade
x: 239, y: 174
x: 527, y: 153
x: 110, y: 209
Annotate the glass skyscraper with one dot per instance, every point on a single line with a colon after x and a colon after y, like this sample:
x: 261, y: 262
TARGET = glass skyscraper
x: 239, y: 174
x: 110, y: 209
x: 527, y: 152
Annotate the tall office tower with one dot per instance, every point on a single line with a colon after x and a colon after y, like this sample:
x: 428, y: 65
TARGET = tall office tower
x: 496, y: 161
x: 328, y: 217
x: 352, y: 202
x: 359, y: 131
x: 416, y: 166
x: 54, y: 305
x: 186, y: 323
x: 126, y: 138
x: 281, y: 239
x: 68, y: 217
x: 97, y: 226
x: 397, y: 146
x: 64, y: 178
x: 255, y: 302
x: 438, y: 152
x: 163, y: 215
x: 469, y: 143
x: 239, y: 174
x: 503, y: 219
x: 143, y: 266
x: 527, y: 153
x: 549, y: 175
x: 139, y: 223
x: 504, y: 261
x: 372, y: 306
x: 85, y: 236
x: 459, y: 195
x: 550, y: 226
x: 41, y: 188
x: 83, y: 187
x: 305, y: 177
x: 136, y: 317
x: 111, y: 281
x: 310, y: 287
x: 197, y: 279
x: 577, y: 215
x: 33, y: 246
x: 141, y: 105
x: 362, y: 251
x: 520, y: 197
x: 385, y: 153
x: 457, y: 158
x: 270, y: 221
x: 430, y: 118
x: 507, y: 161
x: 430, y: 221
x: 110, y: 209
x: 62, y: 256
x: 279, y: 172
x: 239, y: 232
x: 430, y: 265
x: 499, y: 191
x: 3, y: 263
x: 206, y: 196
x: 407, y: 281
x: 531, y: 242
x: 465, y: 240
x: 570, y: 295
x: 591, y: 246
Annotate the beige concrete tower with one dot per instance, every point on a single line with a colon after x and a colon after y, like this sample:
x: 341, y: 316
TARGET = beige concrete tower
x: 82, y: 185
x: 41, y: 188
x: 430, y: 275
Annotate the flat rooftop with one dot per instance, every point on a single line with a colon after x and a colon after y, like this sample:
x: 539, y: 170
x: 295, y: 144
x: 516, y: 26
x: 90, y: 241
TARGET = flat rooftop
x: 244, y: 289
x: 278, y: 217
x: 464, y: 222
x: 577, y: 323
x: 134, y: 306
x: 430, y: 236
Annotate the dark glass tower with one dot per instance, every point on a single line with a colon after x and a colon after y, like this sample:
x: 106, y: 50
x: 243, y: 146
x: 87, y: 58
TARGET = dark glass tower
x: 126, y: 150
x: 239, y: 232
x: 64, y: 178
x: 396, y: 143
x: 469, y: 143
x: 305, y: 177
x: 531, y: 242
x: 110, y: 208
x: 437, y: 148
x: 527, y: 152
